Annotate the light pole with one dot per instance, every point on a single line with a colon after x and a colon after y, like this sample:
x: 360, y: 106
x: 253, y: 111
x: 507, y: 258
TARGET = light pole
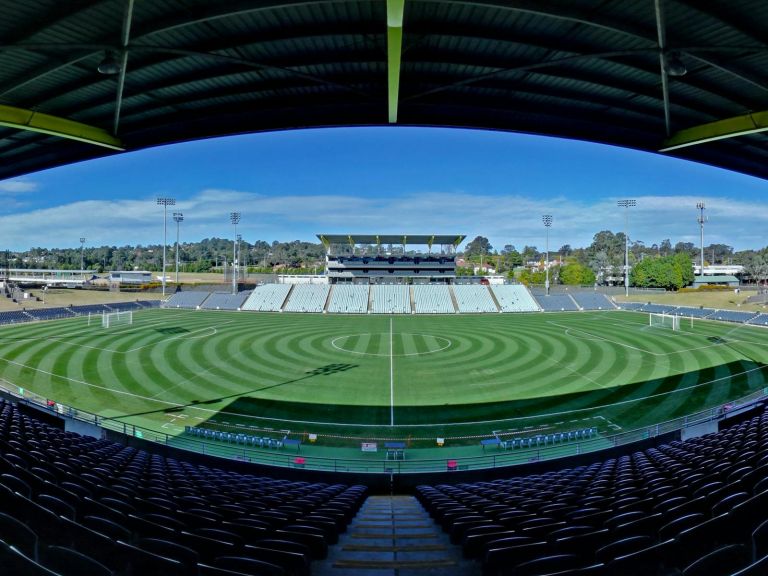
x: 701, y: 219
x: 626, y: 204
x: 165, y: 202
x: 82, y: 256
x: 547, y: 219
x: 239, y: 256
x: 177, y: 217
x: 234, y: 217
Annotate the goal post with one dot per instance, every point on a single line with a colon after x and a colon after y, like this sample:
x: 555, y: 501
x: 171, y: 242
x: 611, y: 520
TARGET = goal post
x: 670, y: 321
x: 109, y: 319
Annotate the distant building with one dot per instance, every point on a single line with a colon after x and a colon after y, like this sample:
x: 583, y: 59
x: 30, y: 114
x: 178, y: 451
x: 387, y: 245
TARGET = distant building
x: 130, y: 277
x: 719, y: 280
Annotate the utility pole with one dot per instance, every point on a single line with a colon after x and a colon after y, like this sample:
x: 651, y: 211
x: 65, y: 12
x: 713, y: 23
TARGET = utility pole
x: 701, y: 219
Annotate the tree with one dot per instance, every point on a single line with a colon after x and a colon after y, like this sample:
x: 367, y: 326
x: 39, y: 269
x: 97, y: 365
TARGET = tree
x: 529, y: 253
x: 668, y: 272
x: 756, y: 267
x: 665, y: 247
x: 480, y: 245
x: 565, y: 250
x: 575, y: 274
x: 599, y: 264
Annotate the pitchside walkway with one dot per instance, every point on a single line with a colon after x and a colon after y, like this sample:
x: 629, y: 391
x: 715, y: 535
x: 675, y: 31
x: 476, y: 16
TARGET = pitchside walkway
x: 394, y: 536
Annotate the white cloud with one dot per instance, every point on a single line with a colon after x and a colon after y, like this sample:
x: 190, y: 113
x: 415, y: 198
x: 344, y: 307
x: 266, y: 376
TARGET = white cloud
x: 511, y: 219
x: 12, y: 187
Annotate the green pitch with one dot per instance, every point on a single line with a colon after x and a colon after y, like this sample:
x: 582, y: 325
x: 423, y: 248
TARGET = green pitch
x: 381, y: 376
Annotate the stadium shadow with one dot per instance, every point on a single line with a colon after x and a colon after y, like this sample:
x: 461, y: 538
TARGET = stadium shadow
x: 326, y: 370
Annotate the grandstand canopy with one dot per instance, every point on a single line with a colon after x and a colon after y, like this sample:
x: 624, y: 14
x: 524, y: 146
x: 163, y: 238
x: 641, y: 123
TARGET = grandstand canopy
x: 87, y: 78
x: 403, y: 239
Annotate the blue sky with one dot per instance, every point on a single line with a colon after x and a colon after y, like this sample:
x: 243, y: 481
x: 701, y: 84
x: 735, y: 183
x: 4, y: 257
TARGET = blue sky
x: 292, y: 185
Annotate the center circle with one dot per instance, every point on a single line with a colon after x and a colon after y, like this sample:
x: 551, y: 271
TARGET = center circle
x: 394, y: 344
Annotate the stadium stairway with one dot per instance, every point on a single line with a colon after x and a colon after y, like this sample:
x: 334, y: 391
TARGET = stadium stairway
x: 394, y: 536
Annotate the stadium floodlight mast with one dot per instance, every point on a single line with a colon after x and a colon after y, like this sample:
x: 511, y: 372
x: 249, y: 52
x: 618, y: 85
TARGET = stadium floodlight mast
x: 234, y: 217
x: 165, y: 202
x: 178, y: 217
x: 82, y: 256
x: 626, y: 204
x: 701, y: 219
x: 547, y: 219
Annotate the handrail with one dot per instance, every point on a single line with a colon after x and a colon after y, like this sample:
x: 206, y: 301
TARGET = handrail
x: 283, y: 458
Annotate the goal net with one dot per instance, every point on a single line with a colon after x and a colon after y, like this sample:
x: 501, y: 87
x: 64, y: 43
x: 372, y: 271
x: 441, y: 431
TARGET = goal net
x: 110, y: 319
x: 664, y: 321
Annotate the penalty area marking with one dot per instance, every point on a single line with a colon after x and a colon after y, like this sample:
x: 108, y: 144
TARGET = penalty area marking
x: 390, y: 335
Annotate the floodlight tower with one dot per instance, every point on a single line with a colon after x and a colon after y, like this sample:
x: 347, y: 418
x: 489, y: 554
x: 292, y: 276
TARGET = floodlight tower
x: 547, y: 219
x: 701, y: 219
x: 82, y: 256
x: 239, y: 237
x: 165, y: 202
x: 178, y: 217
x: 626, y: 204
x: 234, y: 217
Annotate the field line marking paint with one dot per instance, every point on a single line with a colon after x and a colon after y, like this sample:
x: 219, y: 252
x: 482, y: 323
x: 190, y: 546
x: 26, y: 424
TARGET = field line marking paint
x: 340, y: 349
x: 188, y: 380
x: 567, y: 329
x: 78, y: 333
x: 549, y: 414
x: 391, y: 378
x: 580, y: 375
x: 179, y: 336
x: 84, y: 383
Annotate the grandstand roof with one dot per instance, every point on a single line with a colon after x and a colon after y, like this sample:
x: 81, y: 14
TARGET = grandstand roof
x: 412, y: 239
x: 600, y: 70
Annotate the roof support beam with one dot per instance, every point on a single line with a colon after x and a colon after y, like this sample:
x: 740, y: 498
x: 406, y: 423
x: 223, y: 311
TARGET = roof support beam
x: 127, y: 17
x: 23, y: 119
x: 395, y: 10
x: 662, y: 34
x: 719, y: 130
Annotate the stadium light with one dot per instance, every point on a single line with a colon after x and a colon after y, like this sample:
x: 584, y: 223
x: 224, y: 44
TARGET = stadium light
x: 626, y: 204
x: 234, y: 217
x: 177, y: 217
x: 547, y: 219
x: 82, y: 256
x: 701, y: 219
x: 165, y: 202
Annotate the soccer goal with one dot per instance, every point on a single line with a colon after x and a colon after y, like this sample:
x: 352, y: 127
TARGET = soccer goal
x: 109, y: 319
x: 664, y: 321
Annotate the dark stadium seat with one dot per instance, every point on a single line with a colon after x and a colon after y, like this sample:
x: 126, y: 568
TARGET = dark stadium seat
x: 14, y: 562
x: 69, y: 562
x: 243, y: 565
x: 723, y: 561
x: 757, y: 568
x: 188, y: 557
x: 15, y: 533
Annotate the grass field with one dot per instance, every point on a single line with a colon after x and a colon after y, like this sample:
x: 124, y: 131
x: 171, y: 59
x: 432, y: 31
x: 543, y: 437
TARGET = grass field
x: 381, y: 376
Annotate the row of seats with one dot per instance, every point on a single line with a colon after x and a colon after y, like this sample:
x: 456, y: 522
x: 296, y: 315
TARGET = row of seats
x: 515, y: 298
x: 739, y: 316
x: 549, y: 439
x: 699, y: 507
x: 307, y: 298
x: 473, y: 298
x: 80, y: 505
x: 225, y: 301
x: 267, y: 298
x: 235, y: 438
x: 390, y: 299
x: 556, y: 302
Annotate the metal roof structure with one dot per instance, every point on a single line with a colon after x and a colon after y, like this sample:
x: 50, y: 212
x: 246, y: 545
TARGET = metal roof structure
x: 403, y: 239
x: 81, y: 79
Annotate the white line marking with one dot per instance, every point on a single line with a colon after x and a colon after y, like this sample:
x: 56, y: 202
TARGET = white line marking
x: 591, y: 336
x: 84, y: 383
x: 391, y: 378
x: 342, y: 349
